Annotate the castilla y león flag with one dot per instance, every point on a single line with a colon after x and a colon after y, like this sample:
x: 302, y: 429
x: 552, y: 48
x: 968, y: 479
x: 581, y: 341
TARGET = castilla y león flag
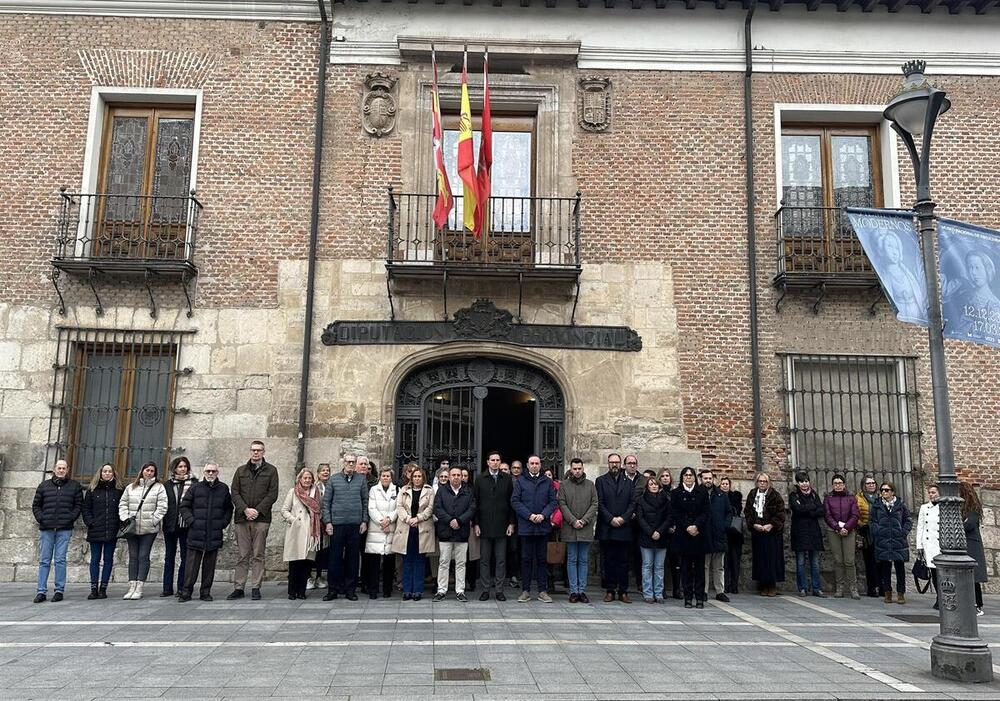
x: 466, y: 154
x: 485, y: 156
x: 444, y: 202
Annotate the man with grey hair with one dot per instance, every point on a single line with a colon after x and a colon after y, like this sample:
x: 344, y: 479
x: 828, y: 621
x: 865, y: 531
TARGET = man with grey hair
x: 345, y: 514
x: 208, y: 507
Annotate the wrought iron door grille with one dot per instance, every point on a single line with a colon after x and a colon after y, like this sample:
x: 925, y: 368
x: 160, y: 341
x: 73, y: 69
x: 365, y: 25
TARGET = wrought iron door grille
x: 113, y: 398
x: 854, y: 415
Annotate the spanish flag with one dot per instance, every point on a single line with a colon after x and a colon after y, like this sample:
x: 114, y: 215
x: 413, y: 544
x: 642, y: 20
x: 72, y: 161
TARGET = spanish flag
x: 485, y: 156
x: 466, y: 155
x: 445, y: 201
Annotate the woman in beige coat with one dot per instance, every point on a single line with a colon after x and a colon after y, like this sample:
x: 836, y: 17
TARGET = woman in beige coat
x: 413, y: 536
x: 301, y: 514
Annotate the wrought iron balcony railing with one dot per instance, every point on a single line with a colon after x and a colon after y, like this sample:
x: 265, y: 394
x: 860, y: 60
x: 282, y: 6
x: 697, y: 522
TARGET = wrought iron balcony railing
x: 524, y: 234
x: 127, y: 232
x: 818, y: 243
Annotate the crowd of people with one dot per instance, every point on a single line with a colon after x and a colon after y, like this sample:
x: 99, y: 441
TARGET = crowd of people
x: 347, y: 530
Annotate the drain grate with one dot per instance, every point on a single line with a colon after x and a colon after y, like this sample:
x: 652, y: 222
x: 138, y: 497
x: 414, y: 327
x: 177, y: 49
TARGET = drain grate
x: 462, y: 674
x: 915, y: 618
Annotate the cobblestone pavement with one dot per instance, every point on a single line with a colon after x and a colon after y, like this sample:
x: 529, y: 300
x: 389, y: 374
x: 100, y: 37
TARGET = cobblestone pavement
x: 786, y: 647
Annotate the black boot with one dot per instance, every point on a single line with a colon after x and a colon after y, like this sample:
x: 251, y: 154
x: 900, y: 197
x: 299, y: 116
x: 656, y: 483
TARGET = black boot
x: 102, y: 591
x: 93, y: 594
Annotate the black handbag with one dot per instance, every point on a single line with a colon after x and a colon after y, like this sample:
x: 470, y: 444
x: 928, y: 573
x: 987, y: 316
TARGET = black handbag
x: 736, y: 524
x: 921, y: 573
x: 129, y: 525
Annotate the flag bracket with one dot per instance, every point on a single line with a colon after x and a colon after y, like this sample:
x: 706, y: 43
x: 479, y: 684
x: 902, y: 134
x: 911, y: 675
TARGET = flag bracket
x: 576, y: 300
x: 444, y: 289
x: 520, y: 295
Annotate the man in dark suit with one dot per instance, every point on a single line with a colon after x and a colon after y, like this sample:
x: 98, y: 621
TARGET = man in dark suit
x: 494, y: 524
x: 616, y: 499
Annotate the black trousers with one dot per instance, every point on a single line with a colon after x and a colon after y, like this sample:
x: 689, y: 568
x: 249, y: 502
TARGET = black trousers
x: 534, y: 551
x: 872, y: 581
x: 298, y: 575
x: 734, y: 562
x: 345, y: 546
x: 203, y: 560
x: 693, y: 576
x: 885, y: 575
x: 614, y: 555
x: 381, y: 570
x: 672, y: 575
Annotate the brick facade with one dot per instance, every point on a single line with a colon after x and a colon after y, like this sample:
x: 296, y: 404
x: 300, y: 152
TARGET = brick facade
x: 664, y: 250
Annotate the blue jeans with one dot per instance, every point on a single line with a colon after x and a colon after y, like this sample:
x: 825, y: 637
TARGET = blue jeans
x: 804, y: 558
x: 414, y: 564
x: 577, y: 562
x: 101, y: 551
x: 171, y: 541
x: 652, y: 571
x: 53, y: 545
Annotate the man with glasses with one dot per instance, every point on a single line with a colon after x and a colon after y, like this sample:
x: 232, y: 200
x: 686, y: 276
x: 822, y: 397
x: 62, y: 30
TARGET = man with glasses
x: 631, y: 463
x: 208, y: 507
x: 866, y: 500
x: 616, y: 500
x: 254, y: 491
x: 345, y: 518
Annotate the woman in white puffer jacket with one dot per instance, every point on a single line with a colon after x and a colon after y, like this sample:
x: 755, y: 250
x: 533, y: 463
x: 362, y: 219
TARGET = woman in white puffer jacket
x: 378, y: 543
x: 145, y: 500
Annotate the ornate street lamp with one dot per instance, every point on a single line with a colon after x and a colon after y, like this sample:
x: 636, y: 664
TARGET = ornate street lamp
x: 957, y: 651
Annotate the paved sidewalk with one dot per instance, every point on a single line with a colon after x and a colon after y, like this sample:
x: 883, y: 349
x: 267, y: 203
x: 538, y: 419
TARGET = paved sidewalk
x: 753, y: 648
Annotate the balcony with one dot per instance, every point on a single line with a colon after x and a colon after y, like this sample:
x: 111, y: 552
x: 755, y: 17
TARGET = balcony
x: 126, y: 236
x: 818, y: 250
x: 528, y: 238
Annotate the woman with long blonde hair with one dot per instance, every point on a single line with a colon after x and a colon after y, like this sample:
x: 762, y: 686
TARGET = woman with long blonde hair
x: 301, y: 514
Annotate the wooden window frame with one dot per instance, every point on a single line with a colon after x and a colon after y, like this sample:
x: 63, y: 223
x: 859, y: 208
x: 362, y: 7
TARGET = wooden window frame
x: 825, y: 132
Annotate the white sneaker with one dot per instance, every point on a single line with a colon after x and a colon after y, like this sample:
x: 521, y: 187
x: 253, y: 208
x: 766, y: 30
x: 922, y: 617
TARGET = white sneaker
x: 979, y: 610
x: 137, y: 594
x: 311, y: 583
x: 131, y: 590
x: 321, y: 582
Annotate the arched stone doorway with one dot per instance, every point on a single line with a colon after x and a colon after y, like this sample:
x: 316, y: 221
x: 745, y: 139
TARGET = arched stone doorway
x: 463, y: 407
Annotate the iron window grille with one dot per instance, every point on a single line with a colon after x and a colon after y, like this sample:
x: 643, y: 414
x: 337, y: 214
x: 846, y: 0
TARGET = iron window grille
x: 854, y: 415
x: 113, y: 398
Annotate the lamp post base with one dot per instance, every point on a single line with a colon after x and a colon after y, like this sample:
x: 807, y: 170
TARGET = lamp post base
x: 957, y: 652
x: 960, y: 663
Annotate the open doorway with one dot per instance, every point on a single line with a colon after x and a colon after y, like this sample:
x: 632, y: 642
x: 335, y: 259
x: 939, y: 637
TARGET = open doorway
x: 508, y: 424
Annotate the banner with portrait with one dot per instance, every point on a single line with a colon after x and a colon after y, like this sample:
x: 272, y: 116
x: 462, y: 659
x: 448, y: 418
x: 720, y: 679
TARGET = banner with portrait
x: 891, y: 244
x: 969, y: 271
x: 969, y: 260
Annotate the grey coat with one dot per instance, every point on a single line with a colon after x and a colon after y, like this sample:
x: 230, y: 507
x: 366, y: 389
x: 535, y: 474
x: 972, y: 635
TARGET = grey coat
x: 578, y: 501
x: 345, y: 503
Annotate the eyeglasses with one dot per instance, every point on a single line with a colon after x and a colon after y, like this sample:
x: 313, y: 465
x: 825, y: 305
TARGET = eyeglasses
x: 886, y: 489
x: 211, y: 472
x: 350, y: 462
x: 631, y: 463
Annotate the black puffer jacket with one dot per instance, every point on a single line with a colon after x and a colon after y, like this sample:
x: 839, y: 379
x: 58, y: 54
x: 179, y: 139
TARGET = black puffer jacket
x: 652, y: 513
x: 208, y: 508
x: 57, y: 504
x: 100, y: 512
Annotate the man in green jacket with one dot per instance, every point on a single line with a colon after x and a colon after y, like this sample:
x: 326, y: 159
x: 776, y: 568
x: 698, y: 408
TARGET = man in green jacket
x: 254, y: 490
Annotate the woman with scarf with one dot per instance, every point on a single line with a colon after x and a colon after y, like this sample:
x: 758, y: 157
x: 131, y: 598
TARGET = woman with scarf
x: 689, y: 518
x: 301, y: 513
x: 652, y: 512
x: 866, y: 498
x: 890, y: 525
x: 672, y: 564
x: 378, y: 547
x: 175, y: 530
x: 765, y: 517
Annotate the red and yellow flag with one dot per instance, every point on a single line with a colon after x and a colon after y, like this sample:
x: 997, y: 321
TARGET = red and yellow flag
x: 466, y: 155
x: 445, y: 201
x: 485, y: 156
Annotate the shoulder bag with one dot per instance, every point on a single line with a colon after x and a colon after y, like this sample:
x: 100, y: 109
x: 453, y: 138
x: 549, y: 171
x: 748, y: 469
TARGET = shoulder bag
x: 129, y: 525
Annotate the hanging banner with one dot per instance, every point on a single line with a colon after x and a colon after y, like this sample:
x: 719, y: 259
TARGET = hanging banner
x: 969, y: 260
x: 890, y: 242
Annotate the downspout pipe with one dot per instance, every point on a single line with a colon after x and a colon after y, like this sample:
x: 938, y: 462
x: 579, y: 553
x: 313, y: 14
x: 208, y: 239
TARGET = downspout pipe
x: 758, y: 453
x: 324, y: 52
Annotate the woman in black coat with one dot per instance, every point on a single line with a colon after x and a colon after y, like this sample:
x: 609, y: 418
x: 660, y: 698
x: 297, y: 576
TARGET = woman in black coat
x: 175, y: 528
x: 807, y: 536
x: 734, y: 538
x: 972, y: 514
x: 652, y: 514
x: 100, y: 515
x: 765, y: 516
x: 689, y: 507
x: 672, y: 565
